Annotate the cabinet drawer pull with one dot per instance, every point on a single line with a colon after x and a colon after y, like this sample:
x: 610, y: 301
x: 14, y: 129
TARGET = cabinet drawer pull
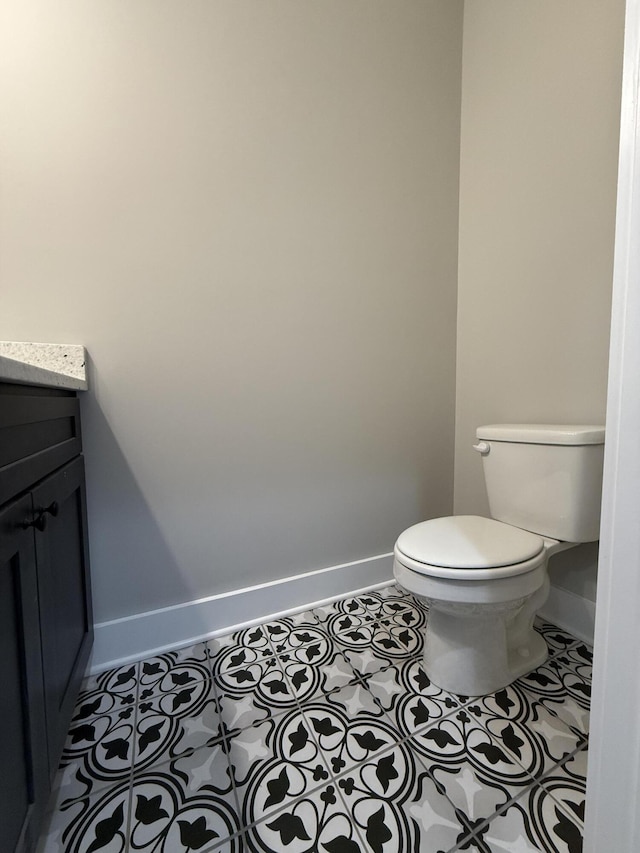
x: 53, y: 509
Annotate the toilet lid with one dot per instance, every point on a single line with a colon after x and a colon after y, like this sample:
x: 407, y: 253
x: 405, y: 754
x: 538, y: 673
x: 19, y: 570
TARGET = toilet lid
x: 468, y: 542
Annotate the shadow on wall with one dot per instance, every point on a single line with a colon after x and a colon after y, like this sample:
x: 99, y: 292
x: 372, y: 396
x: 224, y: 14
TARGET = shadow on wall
x: 576, y: 570
x: 128, y: 549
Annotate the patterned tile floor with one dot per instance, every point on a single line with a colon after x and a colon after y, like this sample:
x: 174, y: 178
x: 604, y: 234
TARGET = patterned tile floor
x: 321, y: 732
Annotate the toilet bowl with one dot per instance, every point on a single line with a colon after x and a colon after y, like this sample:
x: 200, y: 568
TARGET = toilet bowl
x: 482, y: 601
x: 484, y: 579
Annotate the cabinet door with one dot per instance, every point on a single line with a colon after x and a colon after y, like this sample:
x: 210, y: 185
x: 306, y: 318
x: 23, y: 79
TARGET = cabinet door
x: 65, y: 599
x: 24, y: 783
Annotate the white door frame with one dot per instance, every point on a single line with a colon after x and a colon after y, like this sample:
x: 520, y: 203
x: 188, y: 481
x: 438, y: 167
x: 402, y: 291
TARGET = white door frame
x: 612, y: 820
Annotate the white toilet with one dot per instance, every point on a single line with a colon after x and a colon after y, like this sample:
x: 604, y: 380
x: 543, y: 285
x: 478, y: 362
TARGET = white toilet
x: 485, y: 578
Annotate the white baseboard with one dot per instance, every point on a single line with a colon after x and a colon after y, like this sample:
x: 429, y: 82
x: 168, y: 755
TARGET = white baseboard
x: 141, y: 635
x: 567, y: 610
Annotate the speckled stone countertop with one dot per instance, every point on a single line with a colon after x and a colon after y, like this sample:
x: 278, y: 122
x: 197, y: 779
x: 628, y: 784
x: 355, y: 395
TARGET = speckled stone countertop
x: 49, y: 365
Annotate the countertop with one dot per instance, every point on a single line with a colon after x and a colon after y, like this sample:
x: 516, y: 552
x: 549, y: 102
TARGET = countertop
x: 48, y: 365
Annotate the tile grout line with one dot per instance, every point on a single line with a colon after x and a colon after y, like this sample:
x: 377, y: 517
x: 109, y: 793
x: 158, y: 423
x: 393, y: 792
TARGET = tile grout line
x: 537, y: 783
x: 226, y: 740
x: 133, y: 754
x: 562, y: 806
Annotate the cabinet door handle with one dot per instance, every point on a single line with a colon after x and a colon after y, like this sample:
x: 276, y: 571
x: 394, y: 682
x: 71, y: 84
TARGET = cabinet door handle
x: 40, y: 523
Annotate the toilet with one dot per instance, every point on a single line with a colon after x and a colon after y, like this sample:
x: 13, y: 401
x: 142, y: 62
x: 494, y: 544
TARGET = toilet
x: 484, y: 579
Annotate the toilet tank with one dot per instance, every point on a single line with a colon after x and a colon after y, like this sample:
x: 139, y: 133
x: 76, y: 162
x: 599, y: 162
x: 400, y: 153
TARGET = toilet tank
x: 545, y: 478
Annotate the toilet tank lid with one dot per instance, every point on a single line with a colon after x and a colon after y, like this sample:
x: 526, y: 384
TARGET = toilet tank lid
x: 542, y: 433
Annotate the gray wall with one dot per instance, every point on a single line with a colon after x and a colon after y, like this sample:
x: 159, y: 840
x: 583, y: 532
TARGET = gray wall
x: 248, y: 214
x: 539, y: 138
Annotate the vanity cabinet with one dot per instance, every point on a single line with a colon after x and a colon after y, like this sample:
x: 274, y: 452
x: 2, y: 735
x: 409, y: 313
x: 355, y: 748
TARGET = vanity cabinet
x: 45, y: 599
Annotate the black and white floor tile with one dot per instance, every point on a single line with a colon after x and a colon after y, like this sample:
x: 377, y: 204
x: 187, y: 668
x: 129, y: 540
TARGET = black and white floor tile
x: 321, y: 733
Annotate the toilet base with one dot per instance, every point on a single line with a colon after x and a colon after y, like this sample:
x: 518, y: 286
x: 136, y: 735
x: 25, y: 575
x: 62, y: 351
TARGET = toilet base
x: 472, y: 657
x: 479, y: 635
x: 473, y: 651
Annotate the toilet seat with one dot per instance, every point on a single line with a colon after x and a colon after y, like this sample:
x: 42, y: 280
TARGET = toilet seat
x: 469, y: 548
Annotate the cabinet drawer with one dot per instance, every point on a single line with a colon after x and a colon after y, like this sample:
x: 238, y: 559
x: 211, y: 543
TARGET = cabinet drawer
x: 39, y: 432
